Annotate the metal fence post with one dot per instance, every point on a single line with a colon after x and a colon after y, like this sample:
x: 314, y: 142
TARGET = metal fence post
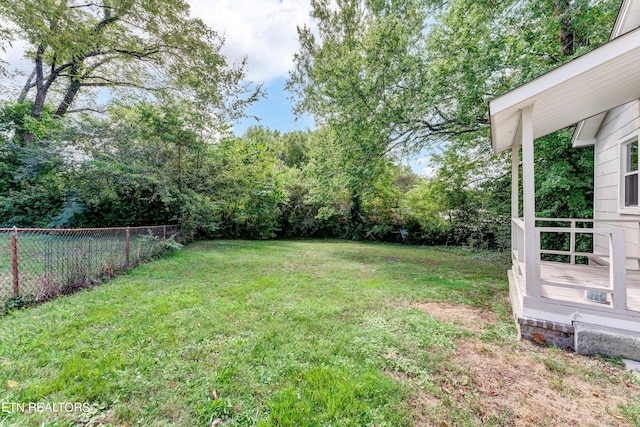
x: 14, y: 262
x: 126, y: 249
x: 164, y: 232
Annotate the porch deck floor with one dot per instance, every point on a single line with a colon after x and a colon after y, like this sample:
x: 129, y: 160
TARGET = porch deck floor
x: 574, y: 274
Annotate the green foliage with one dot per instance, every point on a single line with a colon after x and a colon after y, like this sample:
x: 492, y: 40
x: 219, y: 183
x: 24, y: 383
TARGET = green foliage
x: 359, y: 75
x: 168, y: 244
x: 250, y: 185
x: 381, y: 78
x: 137, y: 166
x: 564, y: 177
x: 32, y: 176
x: 122, y: 45
x: 11, y: 304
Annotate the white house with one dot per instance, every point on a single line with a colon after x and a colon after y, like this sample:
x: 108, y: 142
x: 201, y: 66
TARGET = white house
x: 594, y: 307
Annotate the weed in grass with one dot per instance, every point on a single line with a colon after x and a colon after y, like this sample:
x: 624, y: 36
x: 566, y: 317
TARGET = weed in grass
x: 631, y: 412
x: 557, y: 383
x: 553, y: 365
x: 216, y: 409
x: 616, y: 362
x: 11, y: 304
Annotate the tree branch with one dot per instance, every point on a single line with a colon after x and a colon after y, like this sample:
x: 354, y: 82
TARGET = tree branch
x: 103, y: 6
x: 28, y: 85
x: 108, y: 82
x: 80, y: 110
x: 138, y: 55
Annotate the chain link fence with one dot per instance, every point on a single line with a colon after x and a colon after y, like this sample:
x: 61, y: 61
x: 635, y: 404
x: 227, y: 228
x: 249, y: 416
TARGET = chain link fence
x: 37, y: 264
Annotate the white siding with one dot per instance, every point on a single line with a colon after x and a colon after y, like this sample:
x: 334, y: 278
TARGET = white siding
x: 619, y: 122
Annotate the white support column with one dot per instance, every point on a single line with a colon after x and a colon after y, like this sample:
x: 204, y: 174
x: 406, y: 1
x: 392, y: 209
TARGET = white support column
x: 516, y: 244
x: 515, y: 186
x: 617, y: 269
x: 532, y: 256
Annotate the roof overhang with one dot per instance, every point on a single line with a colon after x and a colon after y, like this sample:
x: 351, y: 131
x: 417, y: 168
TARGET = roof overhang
x: 628, y: 18
x: 587, y: 86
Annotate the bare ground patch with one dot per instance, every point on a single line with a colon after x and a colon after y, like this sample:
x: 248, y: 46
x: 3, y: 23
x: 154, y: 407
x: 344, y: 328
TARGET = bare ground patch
x: 469, y: 318
x: 517, y: 383
x: 525, y: 385
x: 547, y: 389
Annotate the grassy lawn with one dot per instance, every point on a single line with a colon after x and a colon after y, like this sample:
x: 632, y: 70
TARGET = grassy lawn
x: 300, y: 333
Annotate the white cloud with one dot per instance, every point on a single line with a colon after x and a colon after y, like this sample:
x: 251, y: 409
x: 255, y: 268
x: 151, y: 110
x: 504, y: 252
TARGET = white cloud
x: 262, y: 30
x: 18, y: 67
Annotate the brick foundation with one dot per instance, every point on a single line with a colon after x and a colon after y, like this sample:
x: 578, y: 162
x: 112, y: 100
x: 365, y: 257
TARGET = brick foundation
x: 546, y: 332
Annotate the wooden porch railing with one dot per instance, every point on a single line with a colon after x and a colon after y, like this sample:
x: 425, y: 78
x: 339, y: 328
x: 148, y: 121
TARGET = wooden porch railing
x: 617, y: 286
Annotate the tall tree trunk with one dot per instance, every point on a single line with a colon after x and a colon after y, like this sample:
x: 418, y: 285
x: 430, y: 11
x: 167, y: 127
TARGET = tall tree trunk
x: 41, y: 93
x: 72, y: 90
x: 567, y: 37
x: 27, y: 87
x: 355, y: 216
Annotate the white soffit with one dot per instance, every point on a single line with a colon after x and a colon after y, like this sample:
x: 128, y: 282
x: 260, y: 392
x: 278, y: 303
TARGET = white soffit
x: 628, y: 18
x: 584, y: 87
x: 586, y: 131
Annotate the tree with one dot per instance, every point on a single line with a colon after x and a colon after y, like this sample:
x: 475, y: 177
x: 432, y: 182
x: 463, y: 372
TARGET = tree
x: 32, y: 178
x: 361, y: 79
x: 249, y: 187
x: 149, y: 45
x: 477, y: 50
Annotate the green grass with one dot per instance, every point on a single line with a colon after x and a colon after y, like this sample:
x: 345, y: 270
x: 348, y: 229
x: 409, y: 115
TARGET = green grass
x: 286, y: 333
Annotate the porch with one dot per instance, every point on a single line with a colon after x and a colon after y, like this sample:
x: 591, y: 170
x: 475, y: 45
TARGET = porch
x: 596, y: 289
x: 591, y: 287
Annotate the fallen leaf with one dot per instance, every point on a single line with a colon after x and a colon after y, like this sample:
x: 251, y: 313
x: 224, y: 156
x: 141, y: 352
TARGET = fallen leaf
x: 215, y: 422
x: 595, y: 394
x: 539, y: 338
x: 12, y: 384
x: 214, y: 394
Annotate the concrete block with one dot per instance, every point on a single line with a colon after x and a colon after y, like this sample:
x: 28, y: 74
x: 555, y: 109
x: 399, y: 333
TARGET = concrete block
x: 631, y: 365
x: 613, y: 342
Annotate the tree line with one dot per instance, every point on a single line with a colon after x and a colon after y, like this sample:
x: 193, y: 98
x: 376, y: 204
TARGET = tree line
x: 383, y: 79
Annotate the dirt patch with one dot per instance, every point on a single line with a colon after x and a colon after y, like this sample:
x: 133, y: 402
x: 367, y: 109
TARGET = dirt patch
x: 473, y: 319
x: 516, y: 383
x: 526, y: 385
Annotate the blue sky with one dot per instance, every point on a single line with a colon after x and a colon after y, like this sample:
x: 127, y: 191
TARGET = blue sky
x: 274, y: 111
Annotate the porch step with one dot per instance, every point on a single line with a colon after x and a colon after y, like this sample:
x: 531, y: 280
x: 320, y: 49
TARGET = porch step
x: 614, y: 342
